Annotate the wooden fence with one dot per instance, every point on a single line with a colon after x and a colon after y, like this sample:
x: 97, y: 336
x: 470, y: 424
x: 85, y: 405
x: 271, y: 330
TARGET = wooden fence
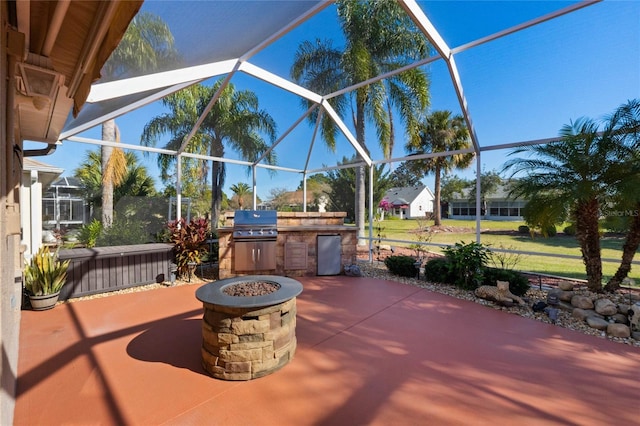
x: 104, y: 269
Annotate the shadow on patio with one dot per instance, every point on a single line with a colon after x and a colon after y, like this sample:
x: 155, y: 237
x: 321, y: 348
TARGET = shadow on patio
x: 369, y: 352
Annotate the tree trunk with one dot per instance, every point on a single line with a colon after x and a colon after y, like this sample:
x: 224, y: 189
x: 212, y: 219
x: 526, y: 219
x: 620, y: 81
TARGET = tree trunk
x: 217, y: 182
x: 360, y: 204
x: 108, y: 134
x: 216, y: 196
x: 631, y: 244
x: 587, y: 234
x: 437, y: 221
x: 360, y: 178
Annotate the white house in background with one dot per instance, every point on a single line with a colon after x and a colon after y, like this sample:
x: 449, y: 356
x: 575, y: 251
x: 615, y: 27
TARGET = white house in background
x: 495, y: 206
x: 409, y: 203
x: 36, y: 178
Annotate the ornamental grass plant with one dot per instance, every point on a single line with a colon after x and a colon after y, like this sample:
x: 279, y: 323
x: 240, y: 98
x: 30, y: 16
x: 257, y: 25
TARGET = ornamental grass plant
x: 45, y: 274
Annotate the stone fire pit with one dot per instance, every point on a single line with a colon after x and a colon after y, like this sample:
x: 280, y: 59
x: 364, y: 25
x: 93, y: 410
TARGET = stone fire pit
x: 248, y: 326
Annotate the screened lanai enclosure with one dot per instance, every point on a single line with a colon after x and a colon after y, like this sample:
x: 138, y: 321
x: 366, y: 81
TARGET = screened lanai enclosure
x: 515, y: 71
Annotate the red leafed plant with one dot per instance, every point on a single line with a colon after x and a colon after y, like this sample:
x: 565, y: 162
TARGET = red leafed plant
x: 189, y: 239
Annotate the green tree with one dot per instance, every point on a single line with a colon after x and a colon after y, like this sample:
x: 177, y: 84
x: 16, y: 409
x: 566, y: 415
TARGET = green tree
x: 379, y: 38
x: 147, y: 45
x: 235, y: 121
x: 342, y: 184
x: 489, y: 184
x: 440, y: 132
x: 452, y: 185
x: 135, y: 182
x: 403, y: 177
x: 585, y: 172
x: 242, y: 190
x: 625, y: 127
x: 314, y: 182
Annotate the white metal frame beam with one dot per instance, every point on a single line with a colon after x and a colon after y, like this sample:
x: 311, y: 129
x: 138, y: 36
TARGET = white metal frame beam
x: 172, y: 81
x: 128, y: 86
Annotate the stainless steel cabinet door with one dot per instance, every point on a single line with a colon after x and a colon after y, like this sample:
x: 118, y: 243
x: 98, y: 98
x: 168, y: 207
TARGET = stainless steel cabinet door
x: 255, y: 255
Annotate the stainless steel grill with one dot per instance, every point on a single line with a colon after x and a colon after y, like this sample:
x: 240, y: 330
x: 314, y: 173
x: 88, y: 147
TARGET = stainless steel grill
x: 255, y: 225
x: 254, y: 235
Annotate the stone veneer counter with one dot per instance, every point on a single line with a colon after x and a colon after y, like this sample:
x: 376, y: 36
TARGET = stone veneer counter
x: 296, y: 231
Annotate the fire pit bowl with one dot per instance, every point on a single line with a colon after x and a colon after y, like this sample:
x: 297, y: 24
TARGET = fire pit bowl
x: 248, y: 336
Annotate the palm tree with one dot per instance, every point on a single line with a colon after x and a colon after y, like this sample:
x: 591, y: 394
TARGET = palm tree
x: 341, y: 187
x: 579, y: 174
x: 379, y: 37
x: 625, y: 125
x: 135, y: 182
x: 440, y: 132
x: 147, y: 45
x: 241, y: 190
x: 235, y: 121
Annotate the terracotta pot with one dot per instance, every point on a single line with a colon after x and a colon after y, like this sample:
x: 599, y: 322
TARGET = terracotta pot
x: 42, y: 303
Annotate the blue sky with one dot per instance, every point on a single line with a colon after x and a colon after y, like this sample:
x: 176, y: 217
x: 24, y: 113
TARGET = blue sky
x: 521, y: 87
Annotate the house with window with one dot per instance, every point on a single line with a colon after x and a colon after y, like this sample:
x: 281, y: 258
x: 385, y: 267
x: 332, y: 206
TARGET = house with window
x: 50, y: 203
x: 407, y: 203
x: 64, y: 205
x: 36, y: 179
x: 495, y: 206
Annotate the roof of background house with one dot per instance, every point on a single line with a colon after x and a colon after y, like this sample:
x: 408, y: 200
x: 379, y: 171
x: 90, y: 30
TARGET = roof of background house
x: 31, y: 164
x: 501, y: 193
x: 402, y: 196
x: 68, y: 182
x: 46, y: 172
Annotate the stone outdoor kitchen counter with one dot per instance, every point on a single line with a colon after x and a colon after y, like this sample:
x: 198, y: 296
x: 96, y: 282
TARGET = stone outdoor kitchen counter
x: 297, y: 236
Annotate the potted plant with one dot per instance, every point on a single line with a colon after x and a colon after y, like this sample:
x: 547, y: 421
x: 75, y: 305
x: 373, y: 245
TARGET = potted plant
x: 44, y: 276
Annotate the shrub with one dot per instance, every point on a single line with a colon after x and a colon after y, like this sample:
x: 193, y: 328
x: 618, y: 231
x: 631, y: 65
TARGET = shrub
x: 124, y: 231
x: 467, y: 263
x: 438, y: 270
x: 570, y: 230
x: 189, y: 239
x: 403, y: 266
x: 523, y: 229
x: 89, y: 233
x: 518, y: 283
x: 550, y: 231
x: 502, y: 259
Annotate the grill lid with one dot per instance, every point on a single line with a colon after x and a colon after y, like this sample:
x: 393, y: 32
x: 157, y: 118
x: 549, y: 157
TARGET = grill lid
x: 255, y: 218
x: 255, y: 224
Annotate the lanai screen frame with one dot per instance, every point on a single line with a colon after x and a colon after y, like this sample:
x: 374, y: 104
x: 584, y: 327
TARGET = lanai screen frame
x: 152, y: 87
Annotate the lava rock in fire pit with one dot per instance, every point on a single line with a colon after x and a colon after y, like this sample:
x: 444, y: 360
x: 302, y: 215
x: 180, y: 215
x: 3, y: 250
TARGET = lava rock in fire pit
x: 256, y: 288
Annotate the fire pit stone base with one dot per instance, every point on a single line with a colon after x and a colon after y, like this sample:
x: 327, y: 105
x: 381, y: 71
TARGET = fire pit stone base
x: 246, y: 343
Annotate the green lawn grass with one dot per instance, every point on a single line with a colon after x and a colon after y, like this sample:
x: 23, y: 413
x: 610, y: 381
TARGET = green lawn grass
x: 494, y: 235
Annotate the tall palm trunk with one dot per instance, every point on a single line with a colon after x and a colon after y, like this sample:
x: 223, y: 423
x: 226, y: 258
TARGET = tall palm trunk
x: 108, y: 134
x: 217, y: 182
x: 631, y: 244
x: 587, y: 234
x: 436, y: 207
x: 360, y: 177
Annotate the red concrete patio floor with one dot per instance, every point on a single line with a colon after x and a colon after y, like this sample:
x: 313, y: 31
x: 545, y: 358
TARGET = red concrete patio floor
x: 369, y: 352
